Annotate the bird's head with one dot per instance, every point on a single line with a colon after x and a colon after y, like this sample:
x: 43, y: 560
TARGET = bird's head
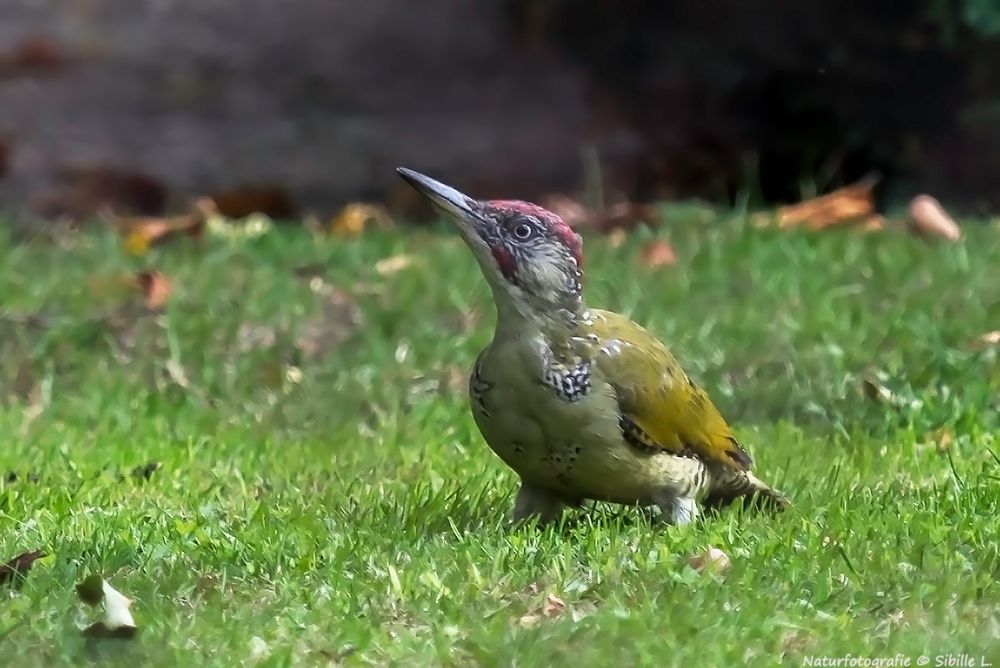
x: 531, y: 258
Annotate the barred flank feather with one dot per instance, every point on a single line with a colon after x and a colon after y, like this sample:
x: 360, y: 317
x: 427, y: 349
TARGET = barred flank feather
x: 728, y: 485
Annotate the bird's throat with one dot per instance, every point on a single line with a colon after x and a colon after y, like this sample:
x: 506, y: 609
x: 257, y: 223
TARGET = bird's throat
x: 557, y: 325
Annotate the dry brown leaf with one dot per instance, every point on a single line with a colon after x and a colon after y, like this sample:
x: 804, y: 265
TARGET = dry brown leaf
x: 658, y: 253
x: 86, y: 191
x: 943, y: 440
x: 274, y: 202
x: 848, y: 205
x: 155, y: 289
x: 19, y: 565
x: 928, y: 218
x: 141, y: 234
x: 712, y: 560
x: 552, y: 607
x: 354, y: 218
x: 32, y: 55
x: 393, y: 265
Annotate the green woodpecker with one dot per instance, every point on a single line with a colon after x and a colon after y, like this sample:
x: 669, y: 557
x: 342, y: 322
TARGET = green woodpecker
x: 582, y: 403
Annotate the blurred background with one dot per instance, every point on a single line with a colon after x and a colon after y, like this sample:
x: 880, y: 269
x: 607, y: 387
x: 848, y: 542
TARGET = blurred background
x: 306, y: 105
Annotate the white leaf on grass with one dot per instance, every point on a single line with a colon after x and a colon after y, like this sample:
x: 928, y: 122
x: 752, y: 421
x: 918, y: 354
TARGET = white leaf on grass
x: 712, y: 560
x: 118, y: 621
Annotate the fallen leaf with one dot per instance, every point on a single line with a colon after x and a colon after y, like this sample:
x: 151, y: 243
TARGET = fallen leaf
x: 155, y: 289
x: 354, y: 218
x: 274, y: 202
x: 142, y: 233
x: 928, y: 218
x: 393, y: 265
x: 658, y: 253
x: 877, y: 392
x: 32, y: 55
x: 19, y: 565
x: 848, y: 205
x: 177, y: 374
x: 988, y: 339
x: 118, y: 621
x: 712, y: 560
x: 552, y: 607
x: 84, y: 192
x: 943, y: 439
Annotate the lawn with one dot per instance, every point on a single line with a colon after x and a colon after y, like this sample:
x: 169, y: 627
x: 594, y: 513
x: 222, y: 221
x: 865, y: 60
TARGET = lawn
x: 281, y: 466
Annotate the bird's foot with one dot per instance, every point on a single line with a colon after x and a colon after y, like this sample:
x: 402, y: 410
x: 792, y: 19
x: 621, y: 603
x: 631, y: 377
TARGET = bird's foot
x: 679, y: 511
x: 537, y: 503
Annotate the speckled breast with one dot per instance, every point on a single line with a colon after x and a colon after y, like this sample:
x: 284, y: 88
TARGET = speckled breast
x: 575, y: 448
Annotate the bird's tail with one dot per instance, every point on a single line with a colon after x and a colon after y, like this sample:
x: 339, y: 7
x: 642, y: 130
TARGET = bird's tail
x: 729, y: 485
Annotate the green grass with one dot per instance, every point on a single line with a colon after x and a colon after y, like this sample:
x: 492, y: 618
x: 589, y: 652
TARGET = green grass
x: 351, y: 512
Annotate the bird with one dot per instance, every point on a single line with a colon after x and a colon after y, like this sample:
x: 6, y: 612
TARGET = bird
x: 584, y: 404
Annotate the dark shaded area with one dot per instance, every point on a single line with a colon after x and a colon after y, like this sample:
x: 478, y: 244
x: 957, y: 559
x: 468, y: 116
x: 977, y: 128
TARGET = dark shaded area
x: 735, y: 95
x: 321, y: 100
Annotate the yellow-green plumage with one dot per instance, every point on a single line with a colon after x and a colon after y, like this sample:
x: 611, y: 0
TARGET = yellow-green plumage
x: 654, y: 391
x: 566, y: 452
x: 581, y: 403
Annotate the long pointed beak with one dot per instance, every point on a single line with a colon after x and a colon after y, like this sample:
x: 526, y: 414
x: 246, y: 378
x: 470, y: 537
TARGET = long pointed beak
x: 458, y: 207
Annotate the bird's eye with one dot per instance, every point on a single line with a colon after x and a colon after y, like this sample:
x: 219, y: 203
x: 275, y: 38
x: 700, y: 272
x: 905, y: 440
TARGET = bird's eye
x: 523, y: 231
